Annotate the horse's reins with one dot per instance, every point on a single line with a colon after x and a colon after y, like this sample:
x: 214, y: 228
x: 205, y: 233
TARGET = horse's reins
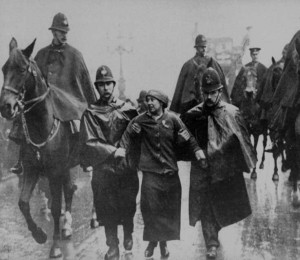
x: 34, y: 102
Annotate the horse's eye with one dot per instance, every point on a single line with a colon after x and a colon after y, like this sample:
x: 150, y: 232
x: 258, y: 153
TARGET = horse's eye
x: 22, y: 70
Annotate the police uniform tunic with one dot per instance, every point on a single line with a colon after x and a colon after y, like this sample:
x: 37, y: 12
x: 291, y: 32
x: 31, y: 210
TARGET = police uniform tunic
x: 161, y: 188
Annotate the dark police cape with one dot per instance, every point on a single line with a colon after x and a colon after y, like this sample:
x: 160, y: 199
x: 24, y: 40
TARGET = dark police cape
x: 101, y: 130
x: 115, y: 182
x: 65, y: 71
x: 223, y: 136
x: 186, y: 95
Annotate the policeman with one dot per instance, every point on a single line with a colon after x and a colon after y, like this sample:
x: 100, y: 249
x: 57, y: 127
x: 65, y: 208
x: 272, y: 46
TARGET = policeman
x: 142, y: 103
x: 66, y: 73
x: 115, y: 186
x: 218, y: 195
x: 260, y: 68
x: 187, y: 92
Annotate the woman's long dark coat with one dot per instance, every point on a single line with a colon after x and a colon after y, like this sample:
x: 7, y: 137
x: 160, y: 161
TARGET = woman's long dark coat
x: 161, y: 188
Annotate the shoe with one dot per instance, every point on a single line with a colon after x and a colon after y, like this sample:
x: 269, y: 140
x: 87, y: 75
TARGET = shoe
x: 273, y: 149
x: 128, y: 243
x: 164, y: 249
x: 94, y: 223
x: 211, y: 252
x: 112, y: 253
x: 88, y: 169
x: 150, y: 249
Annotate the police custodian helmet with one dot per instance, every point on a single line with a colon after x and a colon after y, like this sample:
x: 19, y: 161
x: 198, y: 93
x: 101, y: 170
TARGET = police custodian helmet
x: 104, y: 74
x: 60, y: 23
x: 211, y: 80
x: 200, y: 41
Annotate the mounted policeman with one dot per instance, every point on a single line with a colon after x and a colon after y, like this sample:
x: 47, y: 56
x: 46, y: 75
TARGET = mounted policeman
x: 66, y: 73
x: 187, y: 92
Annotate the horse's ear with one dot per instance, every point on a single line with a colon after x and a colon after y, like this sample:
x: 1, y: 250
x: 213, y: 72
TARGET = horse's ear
x: 209, y: 65
x: 297, y: 45
x: 13, y: 44
x: 273, y: 61
x: 28, y: 51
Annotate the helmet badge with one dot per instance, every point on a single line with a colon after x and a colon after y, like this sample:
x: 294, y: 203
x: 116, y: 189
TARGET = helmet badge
x: 103, y: 71
x: 208, y: 79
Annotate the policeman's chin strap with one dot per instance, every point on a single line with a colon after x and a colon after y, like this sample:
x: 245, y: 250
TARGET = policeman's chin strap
x: 216, y: 102
x: 218, y: 98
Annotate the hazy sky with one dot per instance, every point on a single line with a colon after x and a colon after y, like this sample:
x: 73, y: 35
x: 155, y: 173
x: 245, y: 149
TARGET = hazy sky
x: 162, y: 31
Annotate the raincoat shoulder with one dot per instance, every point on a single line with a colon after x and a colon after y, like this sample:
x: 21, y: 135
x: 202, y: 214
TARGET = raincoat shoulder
x: 68, y: 78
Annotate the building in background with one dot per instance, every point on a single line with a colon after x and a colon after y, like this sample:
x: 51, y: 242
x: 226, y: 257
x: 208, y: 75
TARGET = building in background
x: 228, y: 56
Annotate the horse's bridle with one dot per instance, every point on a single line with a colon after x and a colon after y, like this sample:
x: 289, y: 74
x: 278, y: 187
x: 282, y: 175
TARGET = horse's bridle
x: 33, y: 102
x: 21, y: 94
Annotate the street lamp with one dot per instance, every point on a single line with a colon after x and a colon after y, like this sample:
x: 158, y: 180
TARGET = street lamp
x: 124, y: 46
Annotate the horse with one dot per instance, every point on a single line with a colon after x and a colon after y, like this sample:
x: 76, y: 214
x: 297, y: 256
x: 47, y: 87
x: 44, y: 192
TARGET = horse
x: 243, y: 96
x: 285, y: 113
x: 48, y: 144
x: 264, y: 98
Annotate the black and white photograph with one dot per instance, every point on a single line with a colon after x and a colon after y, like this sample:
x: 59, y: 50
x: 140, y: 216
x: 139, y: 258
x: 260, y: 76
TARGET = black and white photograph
x: 150, y: 129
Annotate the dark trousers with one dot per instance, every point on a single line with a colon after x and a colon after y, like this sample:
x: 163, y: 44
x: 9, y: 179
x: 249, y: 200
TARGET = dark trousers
x: 210, y: 226
x: 111, y: 231
x: 115, y: 201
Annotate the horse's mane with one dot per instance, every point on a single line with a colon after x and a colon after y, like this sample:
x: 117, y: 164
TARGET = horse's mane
x: 287, y: 88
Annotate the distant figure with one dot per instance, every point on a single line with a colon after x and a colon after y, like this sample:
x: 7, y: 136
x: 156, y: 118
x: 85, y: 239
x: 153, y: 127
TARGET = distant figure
x: 260, y: 71
x: 142, y: 103
x: 187, y: 92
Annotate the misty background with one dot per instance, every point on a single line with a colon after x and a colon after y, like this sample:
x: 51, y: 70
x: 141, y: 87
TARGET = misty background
x: 157, y: 36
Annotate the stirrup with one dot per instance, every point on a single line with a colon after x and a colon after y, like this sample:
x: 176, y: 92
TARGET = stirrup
x: 17, y: 169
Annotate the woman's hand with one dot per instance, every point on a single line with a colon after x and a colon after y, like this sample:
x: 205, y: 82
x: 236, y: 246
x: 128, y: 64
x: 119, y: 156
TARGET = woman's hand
x: 120, y: 152
x: 136, y: 128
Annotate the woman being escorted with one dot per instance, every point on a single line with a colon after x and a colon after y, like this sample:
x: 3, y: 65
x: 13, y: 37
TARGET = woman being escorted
x: 158, y: 133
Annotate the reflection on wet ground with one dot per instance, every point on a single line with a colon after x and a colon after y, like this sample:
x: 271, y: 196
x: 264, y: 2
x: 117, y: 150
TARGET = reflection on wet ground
x: 271, y: 233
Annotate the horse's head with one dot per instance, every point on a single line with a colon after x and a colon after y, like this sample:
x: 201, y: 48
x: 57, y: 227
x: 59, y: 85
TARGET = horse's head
x: 198, y: 79
x: 17, y: 73
x: 297, y: 58
x: 249, y: 81
x: 276, y: 72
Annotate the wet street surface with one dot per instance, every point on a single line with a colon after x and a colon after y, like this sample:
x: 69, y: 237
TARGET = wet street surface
x: 272, y: 232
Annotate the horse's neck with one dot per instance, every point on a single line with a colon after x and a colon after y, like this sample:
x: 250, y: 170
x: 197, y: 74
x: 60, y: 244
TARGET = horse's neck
x: 39, y: 118
x: 248, y: 106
